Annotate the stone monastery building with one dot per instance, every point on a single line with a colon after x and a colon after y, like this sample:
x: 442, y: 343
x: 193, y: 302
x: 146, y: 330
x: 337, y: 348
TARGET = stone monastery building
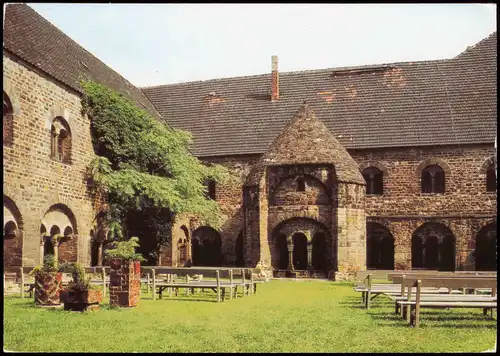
x: 334, y: 170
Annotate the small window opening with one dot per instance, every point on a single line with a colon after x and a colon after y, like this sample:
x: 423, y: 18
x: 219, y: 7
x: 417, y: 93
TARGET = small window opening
x: 491, y: 180
x: 301, y: 185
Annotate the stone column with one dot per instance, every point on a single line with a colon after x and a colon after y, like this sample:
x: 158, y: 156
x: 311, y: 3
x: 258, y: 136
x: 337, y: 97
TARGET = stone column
x: 54, y: 148
x: 55, y: 243
x: 99, y: 254
x: 290, y: 256
x: 42, y: 246
x: 309, y: 255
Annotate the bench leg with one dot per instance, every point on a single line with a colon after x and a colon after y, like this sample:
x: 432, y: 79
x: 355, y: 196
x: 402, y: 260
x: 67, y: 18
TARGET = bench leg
x: 408, y: 312
x: 397, y: 308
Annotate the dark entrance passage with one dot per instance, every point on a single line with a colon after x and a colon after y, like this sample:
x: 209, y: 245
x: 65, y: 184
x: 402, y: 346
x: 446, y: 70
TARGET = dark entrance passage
x: 319, y: 252
x: 379, y: 247
x: 486, y: 248
x: 206, y: 247
x: 433, y: 247
x: 239, y: 250
x: 94, y: 252
x: 281, y: 246
x: 299, y: 254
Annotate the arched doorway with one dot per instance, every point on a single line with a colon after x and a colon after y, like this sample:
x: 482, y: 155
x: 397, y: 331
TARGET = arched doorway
x: 299, y: 254
x: 433, y: 247
x: 310, y: 244
x: 319, y: 251
x: 62, y: 232
x: 240, y: 262
x: 209, y: 247
x: 379, y: 247
x: 12, y: 234
x: 486, y: 248
x: 94, y: 251
x: 183, y: 246
x: 280, y: 245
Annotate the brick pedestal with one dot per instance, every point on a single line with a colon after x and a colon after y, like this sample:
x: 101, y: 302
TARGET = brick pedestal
x: 47, y: 288
x: 125, y: 283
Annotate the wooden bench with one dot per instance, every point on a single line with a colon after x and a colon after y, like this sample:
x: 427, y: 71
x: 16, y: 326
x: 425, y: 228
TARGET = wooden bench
x: 424, y: 274
x: 412, y: 308
x: 218, y: 285
x: 370, y: 291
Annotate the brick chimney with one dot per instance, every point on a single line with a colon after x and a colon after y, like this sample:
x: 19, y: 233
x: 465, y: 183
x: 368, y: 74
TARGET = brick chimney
x: 275, y: 87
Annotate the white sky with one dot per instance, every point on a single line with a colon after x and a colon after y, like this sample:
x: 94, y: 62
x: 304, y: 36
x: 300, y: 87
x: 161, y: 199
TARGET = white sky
x: 153, y: 44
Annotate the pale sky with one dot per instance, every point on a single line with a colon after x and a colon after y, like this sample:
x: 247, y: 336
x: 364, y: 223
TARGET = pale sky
x: 154, y: 44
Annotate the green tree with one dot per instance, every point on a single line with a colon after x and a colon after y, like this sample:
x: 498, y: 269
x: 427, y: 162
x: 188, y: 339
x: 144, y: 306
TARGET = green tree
x: 145, y: 168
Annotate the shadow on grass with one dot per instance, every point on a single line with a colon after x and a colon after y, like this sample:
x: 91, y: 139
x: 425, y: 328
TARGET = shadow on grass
x: 426, y: 324
x: 178, y: 299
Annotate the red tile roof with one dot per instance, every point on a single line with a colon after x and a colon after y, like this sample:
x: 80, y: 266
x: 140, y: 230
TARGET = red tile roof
x: 401, y: 104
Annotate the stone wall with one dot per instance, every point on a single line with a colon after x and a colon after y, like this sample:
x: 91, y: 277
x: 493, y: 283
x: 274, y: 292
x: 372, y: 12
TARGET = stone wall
x: 32, y: 179
x: 465, y: 231
x: 68, y: 250
x: 230, y: 198
x: 402, y: 207
x: 287, y: 193
x: 465, y: 185
x: 351, y: 228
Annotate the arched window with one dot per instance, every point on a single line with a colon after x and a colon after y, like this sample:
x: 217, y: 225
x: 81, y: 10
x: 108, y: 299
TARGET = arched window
x: 210, y: 193
x: 491, y: 179
x: 301, y: 185
x: 432, y: 179
x: 60, y: 141
x: 8, y: 121
x: 374, y: 181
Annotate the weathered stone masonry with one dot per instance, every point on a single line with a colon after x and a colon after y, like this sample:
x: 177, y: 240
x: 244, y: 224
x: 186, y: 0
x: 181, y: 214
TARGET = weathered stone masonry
x: 34, y: 181
x: 302, y: 204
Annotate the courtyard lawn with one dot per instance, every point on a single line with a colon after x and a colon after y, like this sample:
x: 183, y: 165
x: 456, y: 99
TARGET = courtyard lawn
x: 286, y: 316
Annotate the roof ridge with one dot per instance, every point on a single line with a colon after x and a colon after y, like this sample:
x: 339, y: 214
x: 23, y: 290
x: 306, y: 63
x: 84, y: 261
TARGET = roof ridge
x: 304, y: 71
x: 73, y: 85
x: 473, y: 47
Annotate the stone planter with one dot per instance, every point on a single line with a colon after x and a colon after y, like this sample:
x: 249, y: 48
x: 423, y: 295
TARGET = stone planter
x: 80, y: 300
x: 47, y: 288
x: 124, y: 283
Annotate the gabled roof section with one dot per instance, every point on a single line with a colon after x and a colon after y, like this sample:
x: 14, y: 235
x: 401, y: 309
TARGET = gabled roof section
x: 34, y: 39
x: 441, y: 102
x: 306, y: 140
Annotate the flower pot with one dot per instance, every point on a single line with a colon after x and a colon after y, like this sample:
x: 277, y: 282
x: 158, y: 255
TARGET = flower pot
x: 125, y: 283
x: 47, y: 288
x: 80, y: 300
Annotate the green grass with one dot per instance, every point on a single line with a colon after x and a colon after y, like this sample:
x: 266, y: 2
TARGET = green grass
x: 284, y: 316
